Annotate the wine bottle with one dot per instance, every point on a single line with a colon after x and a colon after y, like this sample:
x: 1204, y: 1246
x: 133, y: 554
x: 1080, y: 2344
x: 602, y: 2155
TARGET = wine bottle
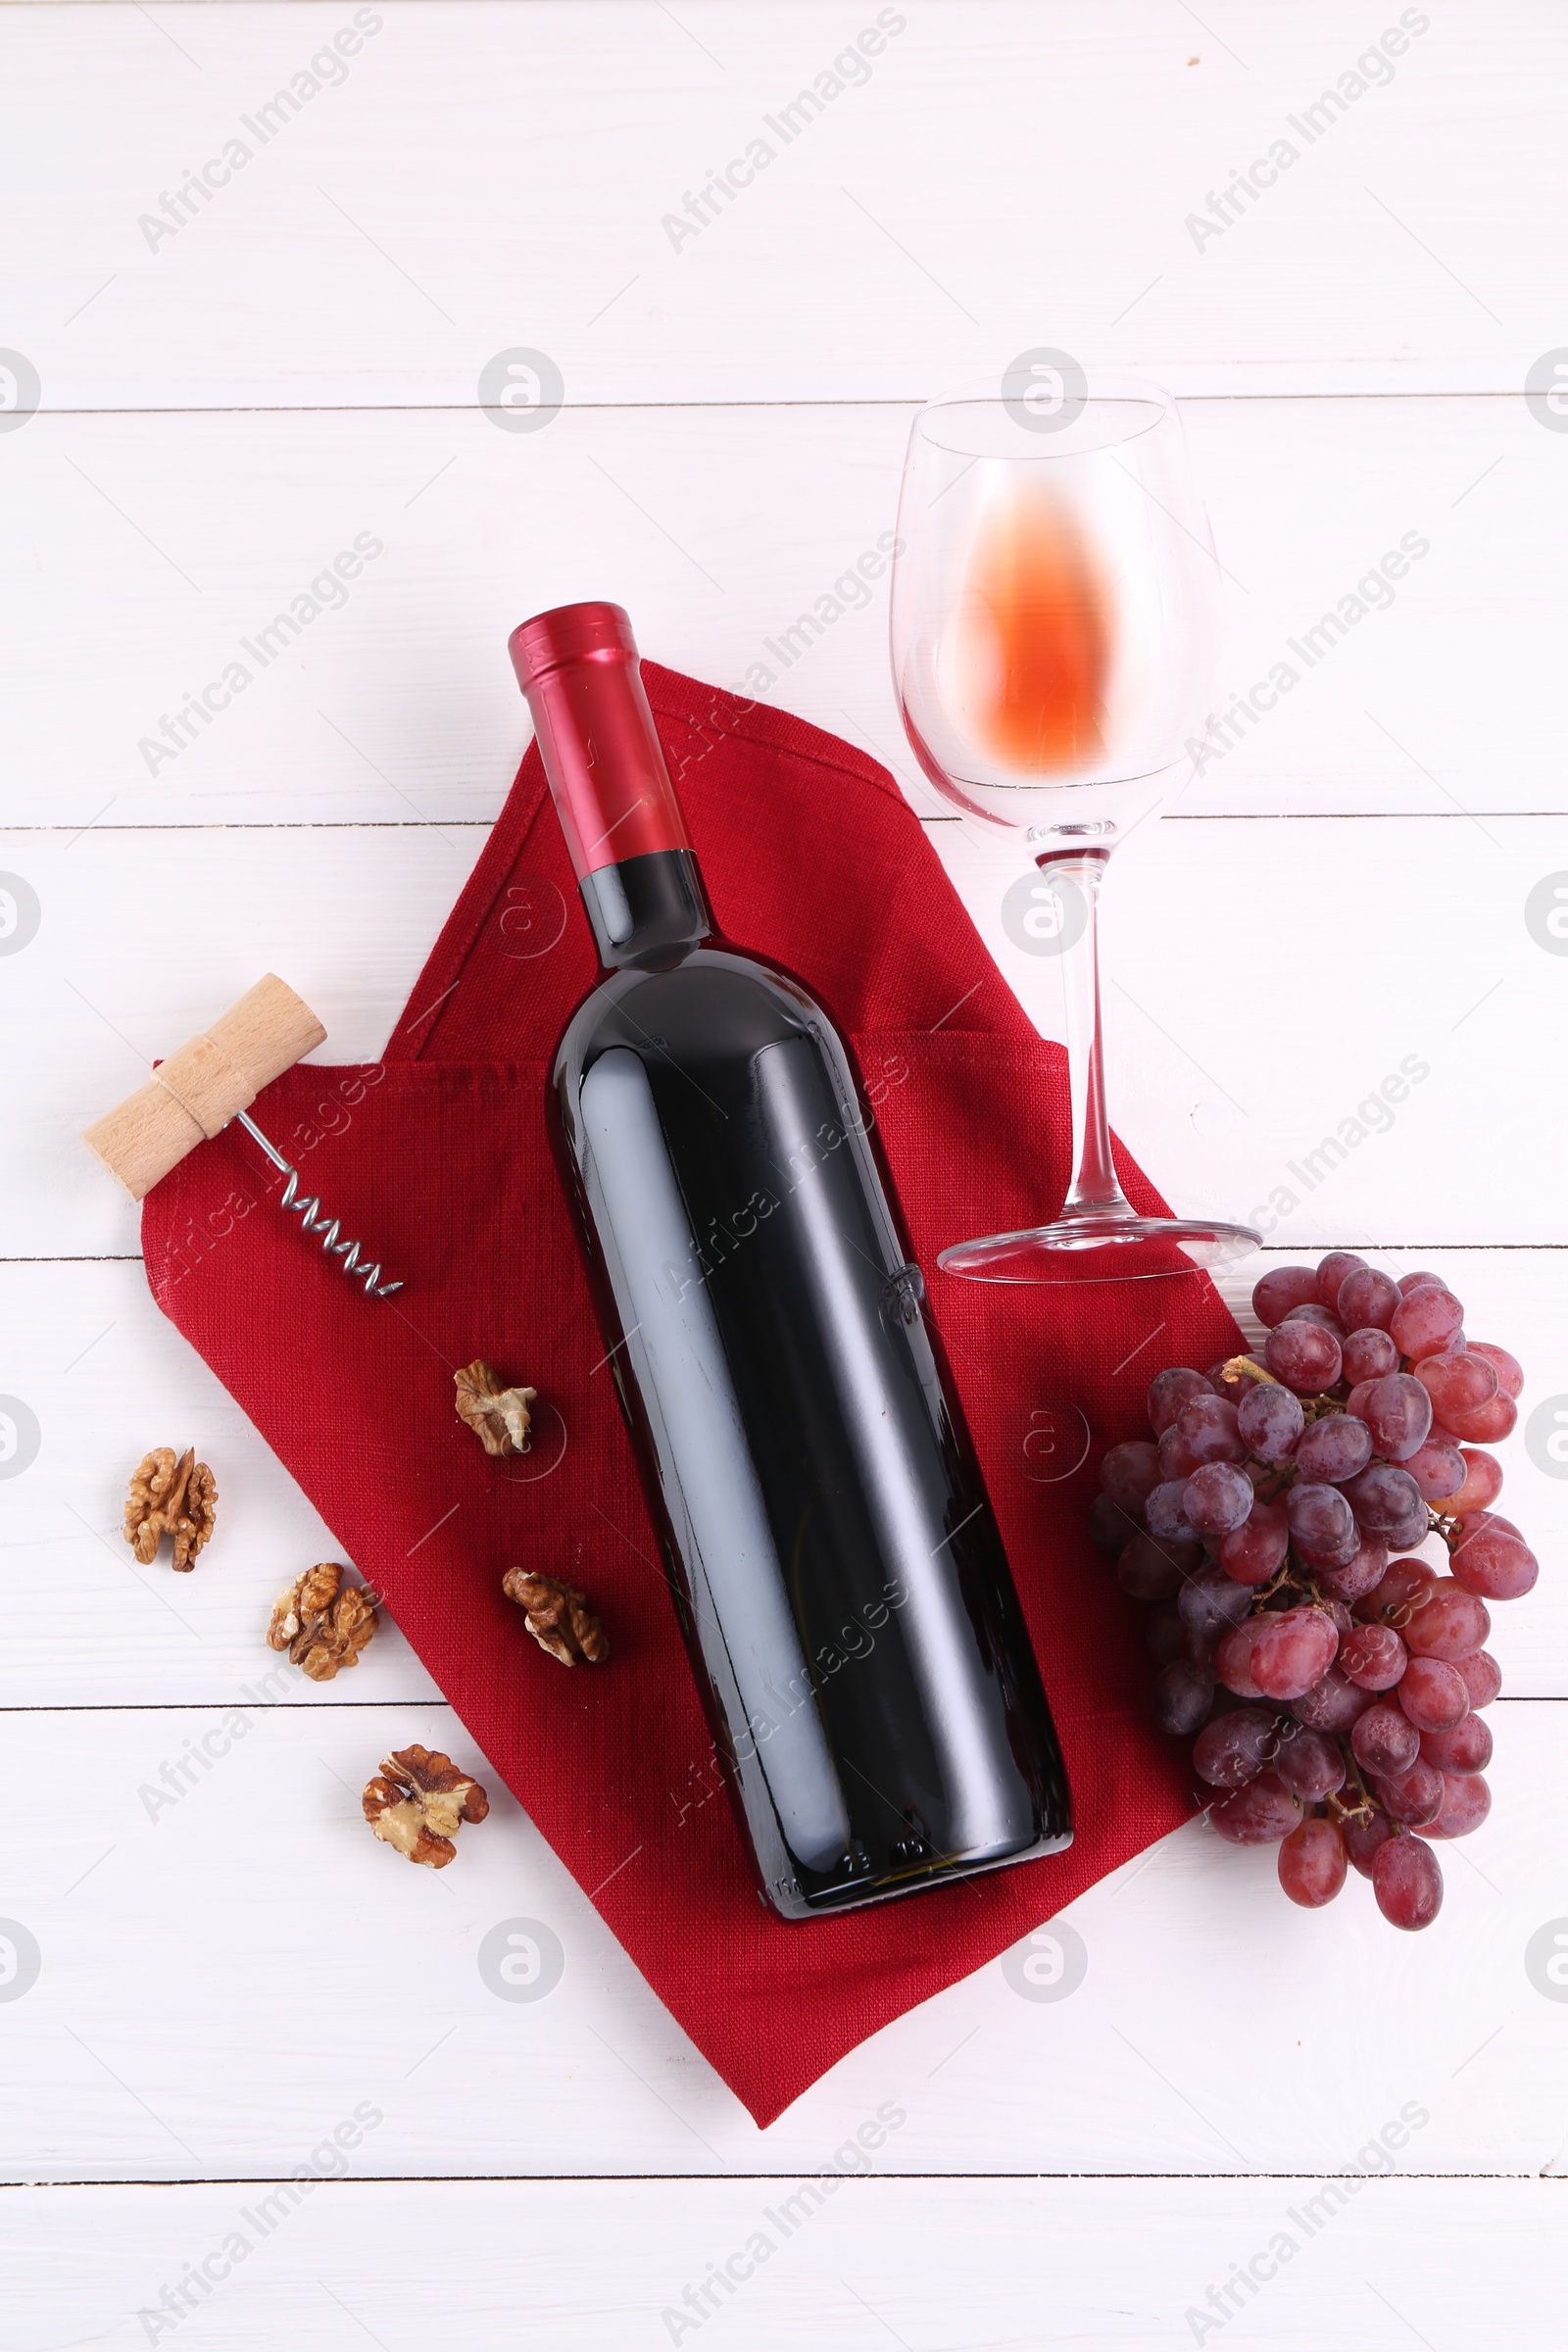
x: 839, y: 1576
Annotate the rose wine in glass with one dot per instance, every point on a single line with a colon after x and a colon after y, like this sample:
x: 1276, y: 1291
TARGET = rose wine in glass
x: 1055, y: 622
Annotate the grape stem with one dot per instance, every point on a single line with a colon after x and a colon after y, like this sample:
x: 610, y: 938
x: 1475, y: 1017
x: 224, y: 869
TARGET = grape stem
x: 1277, y: 1584
x: 1363, y: 1808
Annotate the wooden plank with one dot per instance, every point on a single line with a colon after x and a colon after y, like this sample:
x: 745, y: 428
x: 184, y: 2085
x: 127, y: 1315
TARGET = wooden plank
x: 230, y: 1962
x: 106, y: 1377
x: 1391, y: 945
x: 986, y: 181
x: 479, y: 2267
x: 719, y: 528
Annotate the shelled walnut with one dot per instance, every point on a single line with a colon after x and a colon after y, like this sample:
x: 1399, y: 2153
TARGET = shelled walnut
x: 497, y: 1415
x: 322, y: 1623
x: 559, y: 1618
x: 169, y: 1498
x: 417, y: 1801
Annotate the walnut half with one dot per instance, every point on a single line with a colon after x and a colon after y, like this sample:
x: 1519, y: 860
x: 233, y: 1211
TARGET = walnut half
x: 559, y: 1618
x: 498, y: 1416
x: 322, y: 1623
x: 169, y: 1498
x: 417, y: 1801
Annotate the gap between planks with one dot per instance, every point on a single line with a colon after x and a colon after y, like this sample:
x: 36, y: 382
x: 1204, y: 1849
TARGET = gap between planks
x: 658, y: 2179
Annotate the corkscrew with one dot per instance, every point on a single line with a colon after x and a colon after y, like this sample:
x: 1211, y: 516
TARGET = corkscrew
x: 310, y: 1212
x: 214, y: 1078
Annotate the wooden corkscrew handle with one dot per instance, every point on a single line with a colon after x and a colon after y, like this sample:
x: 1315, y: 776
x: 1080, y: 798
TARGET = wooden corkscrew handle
x: 196, y: 1091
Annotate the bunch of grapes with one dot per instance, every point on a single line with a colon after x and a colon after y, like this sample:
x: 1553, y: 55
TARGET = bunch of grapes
x: 1335, y: 1687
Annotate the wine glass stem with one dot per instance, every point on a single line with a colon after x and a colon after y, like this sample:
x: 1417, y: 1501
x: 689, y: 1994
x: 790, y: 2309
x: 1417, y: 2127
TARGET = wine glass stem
x: 1093, y: 1187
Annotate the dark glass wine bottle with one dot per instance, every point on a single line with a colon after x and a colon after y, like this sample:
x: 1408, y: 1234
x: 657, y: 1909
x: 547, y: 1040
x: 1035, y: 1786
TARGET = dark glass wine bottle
x: 839, y: 1575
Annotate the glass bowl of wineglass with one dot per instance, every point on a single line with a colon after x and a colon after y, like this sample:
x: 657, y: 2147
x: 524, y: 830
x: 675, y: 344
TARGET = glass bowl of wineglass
x: 1055, y: 622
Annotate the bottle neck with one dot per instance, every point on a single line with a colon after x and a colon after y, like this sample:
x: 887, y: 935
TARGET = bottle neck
x: 647, y: 913
x: 629, y: 846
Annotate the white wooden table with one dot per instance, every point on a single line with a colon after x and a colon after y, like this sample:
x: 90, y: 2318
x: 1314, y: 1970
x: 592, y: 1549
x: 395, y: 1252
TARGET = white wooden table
x: 228, y: 1978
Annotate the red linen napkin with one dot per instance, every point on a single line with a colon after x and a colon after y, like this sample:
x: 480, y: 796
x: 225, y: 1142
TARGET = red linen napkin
x: 438, y: 1156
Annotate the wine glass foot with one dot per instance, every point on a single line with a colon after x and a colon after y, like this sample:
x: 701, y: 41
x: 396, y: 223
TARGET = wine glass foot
x: 1101, y: 1245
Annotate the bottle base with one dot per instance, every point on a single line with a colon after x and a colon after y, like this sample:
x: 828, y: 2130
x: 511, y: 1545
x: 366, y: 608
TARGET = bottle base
x: 789, y: 1900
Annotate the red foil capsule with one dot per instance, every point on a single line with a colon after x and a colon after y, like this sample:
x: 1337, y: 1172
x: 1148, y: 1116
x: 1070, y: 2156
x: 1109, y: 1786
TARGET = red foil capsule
x: 578, y: 665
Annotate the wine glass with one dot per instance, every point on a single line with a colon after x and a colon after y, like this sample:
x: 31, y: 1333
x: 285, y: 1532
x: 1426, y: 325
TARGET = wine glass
x: 1055, y: 622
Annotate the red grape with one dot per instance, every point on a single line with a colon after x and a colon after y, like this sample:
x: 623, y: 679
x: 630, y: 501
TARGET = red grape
x: 1483, y: 1676
x: 1407, y: 1882
x: 1450, y: 1624
x: 1235, y: 1749
x: 1320, y: 1517
x: 1212, y: 1602
x: 1466, y: 1748
x: 1168, y: 1392
x: 1146, y: 1570
x: 1208, y: 1426
x: 1128, y: 1472
x: 1253, y: 1552
x: 1483, y: 1482
x: 1456, y: 1383
x: 1492, y: 1559
x: 1399, y: 1412
x: 1366, y: 1300
x: 1332, y: 1705
x: 1281, y: 1288
x: 1362, y: 1839
x: 1200, y: 1647
x: 1413, y: 1282
x: 1324, y: 1317
x: 1384, y: 1497
x: 1510, y: 1373
x: 1373, y: 1656
x: 1383, y: 1740
x: 1260, y: 1814
x: 1163, y: 1632
x: 1312, y: 1864
x: 1269, y: 1419
x: 1467, y: 1803
x: 1334, y: 1271
x: 1333, y: 1449
x: 1319, y: 1562
x: 1163, y: 1510
x: 1410, y: 1533
x: 1405, y: 1589
x: 1183, y: 1698
x: 1109, y: 1527
x: 1358, y: 1576
x: 1302, y: 1356
x: 1414, y: 1797
x: 1234, y: 1658
x: 1294, y: 1651
x: 1309, y: 1765
x: 1232, y: 1385
x: 1368, y: 1354
x: 1425, y: 1321
x: 1485, y: 1424
x: 1217, y: 1497
x: 1432, y: 1694
x: 1176, y: 1457
x: 1495, y: 1520
x: 1437, y: 1469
